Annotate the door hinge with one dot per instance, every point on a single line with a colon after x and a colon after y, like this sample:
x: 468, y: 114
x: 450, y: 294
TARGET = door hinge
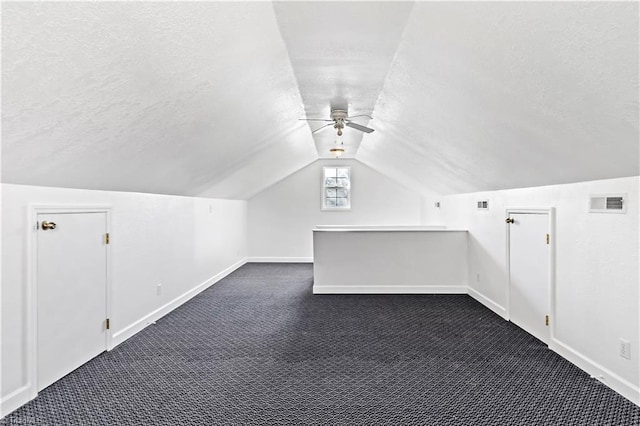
x: 106, y: 238
x: 547, y: 238
x: 107, y: 324
x: 546, y: 320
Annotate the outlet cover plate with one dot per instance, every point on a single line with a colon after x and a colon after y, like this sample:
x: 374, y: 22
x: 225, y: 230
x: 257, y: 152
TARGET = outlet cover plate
x: 625, y: 349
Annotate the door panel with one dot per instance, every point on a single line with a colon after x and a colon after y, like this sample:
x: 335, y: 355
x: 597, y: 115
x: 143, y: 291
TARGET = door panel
x: 529, y: 273
x: 72, y: 285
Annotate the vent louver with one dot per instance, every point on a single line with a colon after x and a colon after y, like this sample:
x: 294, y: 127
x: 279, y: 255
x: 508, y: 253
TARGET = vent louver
x: 614, y: 203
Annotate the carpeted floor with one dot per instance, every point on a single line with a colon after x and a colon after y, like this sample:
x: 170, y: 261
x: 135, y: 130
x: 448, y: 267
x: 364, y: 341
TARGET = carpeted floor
x: 259, y: 348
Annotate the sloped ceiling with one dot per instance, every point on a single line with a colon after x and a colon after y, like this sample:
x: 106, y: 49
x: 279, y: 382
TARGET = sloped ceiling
x: 341, y: 53
x: 161, y: 97
x: 204, y: 98
x: 484, y: 96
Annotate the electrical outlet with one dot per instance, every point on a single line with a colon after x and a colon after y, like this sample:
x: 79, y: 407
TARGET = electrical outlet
x: 478, y: 277
x: 625, y: 349
x: 159, y: 289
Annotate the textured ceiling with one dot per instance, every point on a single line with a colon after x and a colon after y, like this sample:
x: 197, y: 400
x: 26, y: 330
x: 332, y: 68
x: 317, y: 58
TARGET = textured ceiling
x: 155, y: 97
x: 204, y: 98
x: 484, y: 96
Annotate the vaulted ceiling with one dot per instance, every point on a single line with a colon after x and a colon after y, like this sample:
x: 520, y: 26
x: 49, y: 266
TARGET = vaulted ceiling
x: 205, y: 98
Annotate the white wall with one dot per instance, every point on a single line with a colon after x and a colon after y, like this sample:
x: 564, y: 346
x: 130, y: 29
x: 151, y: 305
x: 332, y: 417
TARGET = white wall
x: 597, y: 274
x: 280, y: 219
x: 184, y: 243
x: 386, y: 261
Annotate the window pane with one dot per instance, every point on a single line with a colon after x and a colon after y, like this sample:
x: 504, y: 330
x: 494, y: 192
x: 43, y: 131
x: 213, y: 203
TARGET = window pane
x: 330, y: 182
x: 344, y: 182
x: 341, y: 202
x: 331, y: 193
x: 330, y: 202
x: 343, y: 172
x: 330, y: 172
x: 341, y: 192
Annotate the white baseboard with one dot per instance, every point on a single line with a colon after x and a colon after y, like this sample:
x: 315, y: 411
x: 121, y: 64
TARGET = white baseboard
x: 15, y: 400
x: 280, y: 259
x: 130, y: 330
x: 598, y: 372
x: 495, y: 307
x: 389, y: 289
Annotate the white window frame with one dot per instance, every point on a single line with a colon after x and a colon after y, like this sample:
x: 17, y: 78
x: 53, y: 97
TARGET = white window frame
x: 323, y: 191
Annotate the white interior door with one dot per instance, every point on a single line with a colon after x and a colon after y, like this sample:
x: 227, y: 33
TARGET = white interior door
x: 529, y: 273
x: 71, y: 291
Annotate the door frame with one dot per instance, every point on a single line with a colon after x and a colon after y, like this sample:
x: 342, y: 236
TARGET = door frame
x: 551, y: 273
x: 31, y: 296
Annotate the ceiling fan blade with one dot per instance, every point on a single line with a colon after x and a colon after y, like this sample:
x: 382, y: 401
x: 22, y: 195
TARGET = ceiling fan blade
x: 359, y: 127
x: 315, y: 119
x: 360, y: 115
x: 322, y: 127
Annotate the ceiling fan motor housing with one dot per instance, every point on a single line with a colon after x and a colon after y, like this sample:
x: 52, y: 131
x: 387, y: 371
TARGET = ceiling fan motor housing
x: 339, y: 115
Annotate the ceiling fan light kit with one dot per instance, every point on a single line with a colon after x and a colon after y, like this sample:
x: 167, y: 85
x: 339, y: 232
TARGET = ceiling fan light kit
x: 336, y: 152
x: 338, y: 149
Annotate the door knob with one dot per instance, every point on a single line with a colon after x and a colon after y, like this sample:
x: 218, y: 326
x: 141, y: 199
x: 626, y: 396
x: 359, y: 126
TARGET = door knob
x: 509, y: 220
x: 48, y: 225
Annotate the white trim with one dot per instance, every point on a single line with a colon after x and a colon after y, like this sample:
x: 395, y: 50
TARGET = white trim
x: 280, y: 260
x: 150, y: 318
x: 489, y: 303
x: 598, y: 372
x: 70, y: 208
x: 15, y: 400
x: 551, y: 216
x: 389, y: 289
x: 383, y: 228
x: 31, y: 326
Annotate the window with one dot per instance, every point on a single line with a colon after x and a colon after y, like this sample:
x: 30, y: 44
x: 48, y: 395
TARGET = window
x: 336, y: 188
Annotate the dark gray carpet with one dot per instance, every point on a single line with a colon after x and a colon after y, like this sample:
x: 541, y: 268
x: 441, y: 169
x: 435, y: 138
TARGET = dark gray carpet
x: 259, y: 348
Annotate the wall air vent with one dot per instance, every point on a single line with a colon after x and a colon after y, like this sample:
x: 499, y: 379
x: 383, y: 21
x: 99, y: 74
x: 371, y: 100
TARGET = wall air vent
x: 615, y: 203
x: 610, y: 203
x: 483, y: 205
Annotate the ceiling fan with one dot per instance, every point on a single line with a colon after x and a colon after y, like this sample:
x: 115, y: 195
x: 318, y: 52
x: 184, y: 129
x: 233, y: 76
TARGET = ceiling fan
x: 339, y: 119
